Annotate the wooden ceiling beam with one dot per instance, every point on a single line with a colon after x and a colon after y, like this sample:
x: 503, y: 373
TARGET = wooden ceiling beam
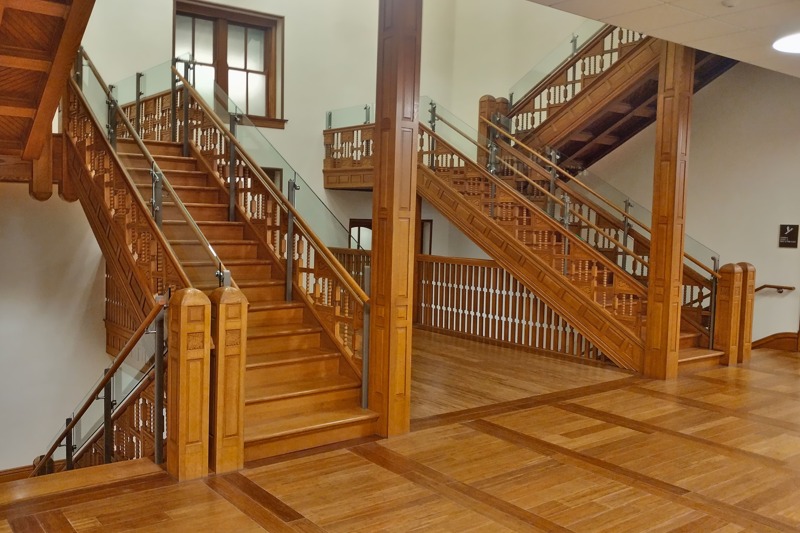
x: 17, y: 111
x: 40, y: 7
x: 74, y: 27
x: 24, y: 63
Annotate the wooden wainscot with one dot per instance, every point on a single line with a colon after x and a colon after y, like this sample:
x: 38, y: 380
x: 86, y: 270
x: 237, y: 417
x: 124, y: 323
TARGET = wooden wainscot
x: 188, y: 381
x: 228, y: 358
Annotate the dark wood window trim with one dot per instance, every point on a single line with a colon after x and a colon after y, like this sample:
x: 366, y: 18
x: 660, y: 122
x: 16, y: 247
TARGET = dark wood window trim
x: 272, y: 25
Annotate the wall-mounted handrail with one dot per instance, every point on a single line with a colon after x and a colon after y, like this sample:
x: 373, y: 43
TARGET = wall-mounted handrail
x: 585, y: 187
x: 779, y: 288
x: 350, y: 283
x: 118, y: 361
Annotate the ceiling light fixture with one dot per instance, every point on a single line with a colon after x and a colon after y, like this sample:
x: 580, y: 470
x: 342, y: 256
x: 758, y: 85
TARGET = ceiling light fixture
x: 789, y: 44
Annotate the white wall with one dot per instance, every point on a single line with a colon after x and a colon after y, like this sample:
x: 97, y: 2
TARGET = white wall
x: 743, y: 164
x: 52, y: 337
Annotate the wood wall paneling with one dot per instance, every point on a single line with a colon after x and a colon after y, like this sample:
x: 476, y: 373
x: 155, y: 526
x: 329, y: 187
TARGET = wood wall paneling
x: 188, y: 384
x: 676, y: 73
x: 394, y: 197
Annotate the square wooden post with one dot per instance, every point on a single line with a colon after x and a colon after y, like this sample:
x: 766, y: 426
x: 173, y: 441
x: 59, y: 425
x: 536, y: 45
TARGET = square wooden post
x: 393, y: 215
x: 675, y: 84
x: 228, y: 358
x: 188, y: 380
x: 728, y: 309
x: 746, y: 314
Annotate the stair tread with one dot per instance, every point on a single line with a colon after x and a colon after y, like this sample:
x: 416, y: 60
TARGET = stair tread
x: 270, y: 306
x: 693, y: 354
x: 230, y: 241
x: 288, y: 357
x: 302, y: 387
x: 306, y: 422
x: 250, y: 283
x: 281, y: 330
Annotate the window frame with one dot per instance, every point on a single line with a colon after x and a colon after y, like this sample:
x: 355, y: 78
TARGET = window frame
x: 221, y: 17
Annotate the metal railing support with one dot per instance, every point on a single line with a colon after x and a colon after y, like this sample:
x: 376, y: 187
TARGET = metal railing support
x: 293, y: 188
x: 78, y: 68
x: 328, y: 120
x: 554, y: 157
x: 174, y: 105
x: 108, y: 423
x: 565, y: 222
x: 137, y: 119
x: 69, y: 447
x: 111, y: 125
x: 232, y: 171
x: 432, y: 124
x: 157, y: 197
x: 365, y: 340
x: 367, y: 114
x: 186, y: 113
x: 158, y: 407
x: 626, y: 228
x: 713, y: 307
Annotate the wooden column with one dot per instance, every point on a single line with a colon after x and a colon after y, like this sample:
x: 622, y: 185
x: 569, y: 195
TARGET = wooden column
x: 188, y: 377
x: 676, y: 73
x: 393, y: 215
x: 728, y: 309
x: 41, y: 184
x: 746, y: 313
x: 487, y: 107
x: 228, y: 358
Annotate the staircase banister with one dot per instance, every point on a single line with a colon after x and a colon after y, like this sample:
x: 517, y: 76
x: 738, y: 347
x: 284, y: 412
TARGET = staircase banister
x: 779, y: 288
x: 524, y: 201
x: 574, y: 179
x: 598, y: 37
x: 121, y: 357
x: 134, y: 192
x: 544, y: 191
x: 350, y: 283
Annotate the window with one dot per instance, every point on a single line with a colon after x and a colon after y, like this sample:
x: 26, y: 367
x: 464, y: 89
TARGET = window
x: 361, y: 234
x: 238, y: 50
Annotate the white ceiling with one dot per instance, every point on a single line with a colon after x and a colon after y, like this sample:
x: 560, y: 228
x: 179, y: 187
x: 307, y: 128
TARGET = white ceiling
x: 743, y: 31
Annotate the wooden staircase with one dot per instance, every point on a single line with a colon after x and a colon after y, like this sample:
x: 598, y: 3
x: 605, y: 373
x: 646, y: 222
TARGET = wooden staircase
x: 300, y: 391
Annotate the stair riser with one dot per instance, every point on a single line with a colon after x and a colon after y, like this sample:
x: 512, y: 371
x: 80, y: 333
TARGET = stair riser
x: 235, y: 251
x: 282, y: 343
x: 689, y: 367
x: 191, y: 179
x: 176, y: 164
x: 275, y: 317
x: 154, y: 148
x: 261, y: 450
x: 203, y: 274
x: 300, y: 370
x: 338, y: 399
x: 211, y: 232
x: 260, y: 271
x: 193, y: 251
x: 225, y: 233
x: 689, y: 342
x: 269, y: 293
x: 193, y: 196
x: 200, y: 213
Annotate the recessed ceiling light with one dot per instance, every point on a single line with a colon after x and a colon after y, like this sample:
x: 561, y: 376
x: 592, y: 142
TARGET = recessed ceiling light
x: 789, y: 44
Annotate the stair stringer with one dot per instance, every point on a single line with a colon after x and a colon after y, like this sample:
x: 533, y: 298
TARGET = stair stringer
x: 638, y: 64
x: 616, y: 341
x: 111, y: 242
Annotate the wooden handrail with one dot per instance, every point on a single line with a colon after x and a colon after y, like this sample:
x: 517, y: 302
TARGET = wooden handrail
x: 134, y: 192
x: 547, y: 193
x: 779, y: 288
x: 121, y: 357
x: 524, y: 201
x: 350, y: 283
x: 153, y: 164
x: 601, y: 34
x: 572, y: 178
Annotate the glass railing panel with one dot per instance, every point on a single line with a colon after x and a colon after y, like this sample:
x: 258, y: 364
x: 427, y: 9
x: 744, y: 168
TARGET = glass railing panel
x: 554, y: 58
x: 152, y: 81
x: 350, y: 116
x: 462, y: 136
x: 313, y: 209
x: 95, y: 94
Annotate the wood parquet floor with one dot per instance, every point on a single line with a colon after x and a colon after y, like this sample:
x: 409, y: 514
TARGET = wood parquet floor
x: 592, y: 450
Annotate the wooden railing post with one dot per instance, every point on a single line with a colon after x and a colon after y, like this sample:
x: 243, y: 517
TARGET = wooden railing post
x: 746, y: 314
x: 188, y: 380
x: 728, y: 309
x: 487, y: 107
x: 229, y: 332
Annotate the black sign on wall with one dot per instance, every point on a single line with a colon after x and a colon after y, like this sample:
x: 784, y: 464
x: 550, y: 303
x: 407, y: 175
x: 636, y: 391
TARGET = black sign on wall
x: 788, y: 236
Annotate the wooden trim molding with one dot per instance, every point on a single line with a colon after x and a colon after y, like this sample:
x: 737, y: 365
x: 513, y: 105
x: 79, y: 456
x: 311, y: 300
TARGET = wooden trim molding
x: 786, y: 340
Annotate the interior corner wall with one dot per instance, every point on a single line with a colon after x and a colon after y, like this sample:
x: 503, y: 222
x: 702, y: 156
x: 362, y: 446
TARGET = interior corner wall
x: 52, y: 337
x: 742, y: 183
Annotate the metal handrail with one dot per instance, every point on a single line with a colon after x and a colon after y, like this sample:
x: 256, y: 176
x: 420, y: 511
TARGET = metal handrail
x: 155, y: 169
x: 121, y: 357
x: 572, y: 177
x: 350, y: 283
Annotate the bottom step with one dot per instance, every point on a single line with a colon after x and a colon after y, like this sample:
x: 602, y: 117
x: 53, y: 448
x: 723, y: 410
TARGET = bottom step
x: 299, y: 432
x: 696, y: 359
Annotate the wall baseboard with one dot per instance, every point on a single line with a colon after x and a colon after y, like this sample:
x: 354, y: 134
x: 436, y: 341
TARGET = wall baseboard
x: 778, y: 341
